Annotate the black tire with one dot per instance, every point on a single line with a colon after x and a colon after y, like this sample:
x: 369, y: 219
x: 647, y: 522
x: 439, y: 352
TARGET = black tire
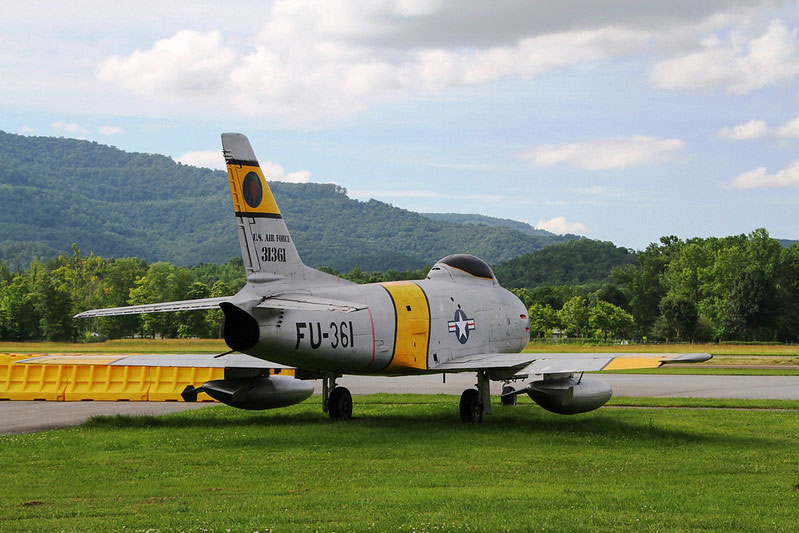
x: 471, y: 408
x: 508, y: 400
x: 340, y: 403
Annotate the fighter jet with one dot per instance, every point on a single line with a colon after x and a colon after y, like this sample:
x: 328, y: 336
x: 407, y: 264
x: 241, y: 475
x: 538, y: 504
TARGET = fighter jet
x: 291, y: 316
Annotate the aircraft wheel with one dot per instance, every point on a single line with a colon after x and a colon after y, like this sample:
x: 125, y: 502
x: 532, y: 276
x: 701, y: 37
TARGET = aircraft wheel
x: 340, y: 403
x: 471, y: 408
x: 508, y: 400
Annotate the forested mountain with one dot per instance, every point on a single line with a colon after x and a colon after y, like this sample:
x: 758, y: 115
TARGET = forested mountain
x: 334, y: 230
x: 55, y: 192
x: 569, y: 263
x: 483, y: 220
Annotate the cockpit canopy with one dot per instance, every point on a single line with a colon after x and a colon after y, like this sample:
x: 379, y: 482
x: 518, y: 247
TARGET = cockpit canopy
x: 456, y: 264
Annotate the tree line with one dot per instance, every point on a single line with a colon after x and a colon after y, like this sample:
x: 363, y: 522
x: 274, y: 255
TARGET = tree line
x: 739, y: 288
x: 38, y: 303
x: 743, y: 288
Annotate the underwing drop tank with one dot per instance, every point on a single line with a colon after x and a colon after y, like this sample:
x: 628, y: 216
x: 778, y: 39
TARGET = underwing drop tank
x: 254, y: 393
x: 570, y: 395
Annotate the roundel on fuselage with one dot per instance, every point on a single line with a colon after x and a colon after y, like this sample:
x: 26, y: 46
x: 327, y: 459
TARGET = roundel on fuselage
x: 469, y: 264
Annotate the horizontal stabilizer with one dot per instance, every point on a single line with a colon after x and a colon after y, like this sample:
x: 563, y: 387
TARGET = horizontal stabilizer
x: 185, y: 305
x: 304, y: 302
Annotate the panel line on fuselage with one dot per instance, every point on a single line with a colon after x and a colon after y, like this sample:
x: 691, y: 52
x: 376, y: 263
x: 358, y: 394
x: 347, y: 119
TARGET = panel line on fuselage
x: 394, y: 307
x: 374, y: 342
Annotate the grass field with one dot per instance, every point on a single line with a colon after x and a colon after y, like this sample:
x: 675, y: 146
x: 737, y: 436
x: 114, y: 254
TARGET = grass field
x: 407, y: 463
x: 119, y: 346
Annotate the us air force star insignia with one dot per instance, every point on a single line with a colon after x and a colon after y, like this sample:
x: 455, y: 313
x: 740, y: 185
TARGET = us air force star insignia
x: 461, y: 326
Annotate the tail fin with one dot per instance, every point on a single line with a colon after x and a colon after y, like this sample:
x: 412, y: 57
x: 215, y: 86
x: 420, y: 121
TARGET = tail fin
x: 266, y: 247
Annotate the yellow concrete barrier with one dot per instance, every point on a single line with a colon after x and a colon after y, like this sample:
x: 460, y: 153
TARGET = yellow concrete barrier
x: 32, y: 382
x: 166, y: 383
x: 81, y: 382
x: 108, y: 383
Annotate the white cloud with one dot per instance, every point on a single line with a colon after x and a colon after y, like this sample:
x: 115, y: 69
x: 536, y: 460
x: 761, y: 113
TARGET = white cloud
x: 759, y: 178
x: 213, y: 159
x: 302, y: 60
x: 301, y: 176
x: 316, y: 59
x: 364, y: 193
x: 438, y: 68
x: 272, y: 171
x: 603, y: 154
x: 598, y: 190
x: 275, y: 172
x: 190, y: 64
x: 738, y: 62
x: 110, y: 130
x: 560, y: 226
x: 27, y: 129
x: 68, y: 127
x: 327, y: 59
x: 754, y: 129
x: 789, y: 130
x: 203, y: 158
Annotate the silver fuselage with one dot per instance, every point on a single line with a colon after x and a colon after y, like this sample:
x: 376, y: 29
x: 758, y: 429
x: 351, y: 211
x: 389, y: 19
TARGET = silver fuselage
x: 407, y: 327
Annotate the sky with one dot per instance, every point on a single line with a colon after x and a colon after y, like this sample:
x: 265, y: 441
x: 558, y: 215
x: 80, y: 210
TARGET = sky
x: 619, y: 120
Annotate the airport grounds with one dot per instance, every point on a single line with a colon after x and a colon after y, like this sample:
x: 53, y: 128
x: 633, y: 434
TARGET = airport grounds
x: 406, y: 462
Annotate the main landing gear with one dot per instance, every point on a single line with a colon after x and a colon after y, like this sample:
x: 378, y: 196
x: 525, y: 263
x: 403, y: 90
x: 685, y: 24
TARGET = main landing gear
x: 476, y: 402
x: 336, y: 401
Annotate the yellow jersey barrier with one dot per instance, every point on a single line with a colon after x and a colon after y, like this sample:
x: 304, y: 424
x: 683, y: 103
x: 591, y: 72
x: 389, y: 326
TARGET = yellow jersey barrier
x: 74, y: 382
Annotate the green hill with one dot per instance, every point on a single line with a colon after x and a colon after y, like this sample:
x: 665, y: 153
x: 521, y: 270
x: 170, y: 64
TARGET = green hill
x: 569, y: 263
x: 56, y: 191
x: 483, y: 220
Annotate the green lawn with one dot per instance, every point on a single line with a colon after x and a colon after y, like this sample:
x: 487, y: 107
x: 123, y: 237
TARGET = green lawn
x: 407, y: 463
x: 119, y: 346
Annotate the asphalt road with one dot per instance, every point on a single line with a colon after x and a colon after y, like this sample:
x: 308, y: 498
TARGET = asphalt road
x: 22, y: 417
x: 651, y: 385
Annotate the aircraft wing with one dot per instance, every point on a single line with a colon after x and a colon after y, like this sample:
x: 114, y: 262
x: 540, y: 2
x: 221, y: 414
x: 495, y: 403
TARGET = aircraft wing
x: 556, y: 363
x: 185, y: 305
x: 235, y: 360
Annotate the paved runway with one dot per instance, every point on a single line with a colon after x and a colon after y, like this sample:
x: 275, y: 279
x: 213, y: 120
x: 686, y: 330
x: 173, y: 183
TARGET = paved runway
x: 21, y: 417
x: 25, y: 417
x: 652, y: 385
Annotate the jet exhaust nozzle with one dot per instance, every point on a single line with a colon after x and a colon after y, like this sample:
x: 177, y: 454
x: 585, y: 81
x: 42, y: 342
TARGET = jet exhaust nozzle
x: 241, y: 329
x: 255, y: 393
